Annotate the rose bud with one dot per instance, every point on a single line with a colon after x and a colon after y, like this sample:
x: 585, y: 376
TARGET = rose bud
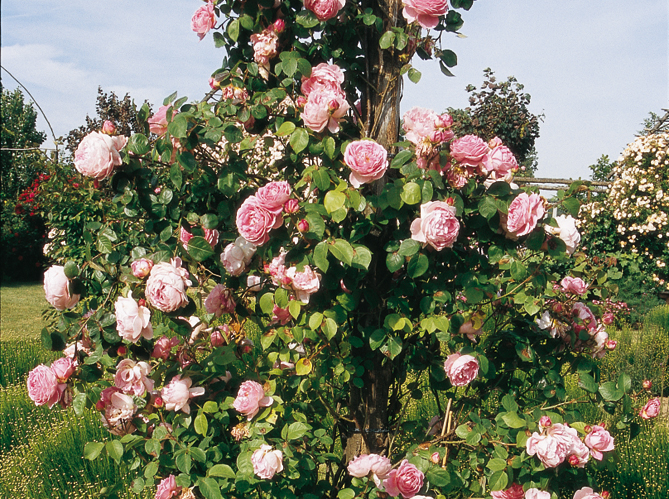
x: 435, y: 458
x: 141, y: 302
x: 301, y: 101
x: 647, y: 384
x: 587, y: 428
x: 573, y: 460
x: 303, y: 225
x: 545, y: 422
x: 611, y: 345
x: 605, y: 494
x: 279, y: 25
x: 121, y: 350
x: 100, y: 405
x: 216, y: 339
x: 291, y: 206
x: 608, y: 318
x: 108, y: 127
x: 158, y: 402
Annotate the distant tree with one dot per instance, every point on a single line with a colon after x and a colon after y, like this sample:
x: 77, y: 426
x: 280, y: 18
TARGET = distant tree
x: 655, y: 123
x: 19, y: 131
x: 121, y: 112
x: 501, y: 110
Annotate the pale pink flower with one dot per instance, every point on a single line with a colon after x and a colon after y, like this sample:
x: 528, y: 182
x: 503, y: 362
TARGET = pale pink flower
x: 219, y: 301
x: 133, y: 321
x: 437, y: 225
x: 304, y: 283
x: 98, y: 154
x: 567, y: 231
x: 461, y: 369
x: 141, y: 268
x: 56, y: 288
x: 406, y: 480
x: 250, y: 398
x: 524, y: 212
x: 367, y: 160
x: 216, y: 339
x: 513, y: 492
x: 418, y: 124
x: 167, y: 488
x: 166, y: 286
x: 119, y: 409
x: 586, y: 493
x: 364, y: 464
x: 158, y: 120
x: 277, y: 269
x: 163, y: 347
x: 553, y: 445
x: 63, y: 368
x: 425, y: 12
x: 234, y: 94
x: 537, y: 494
x: 579, y: 454
x: 608, y: 318
x: 254, y: 221
x: 236, y: 256
x: 43, y: 386
x: 651, y: 409
x: 133, y: 377
x: 599, y: 440
x: 273, y: 196
x: 470, y: 151
x: 178, y: 392
x: 583, y: 312
x: 500, y: 161
x: 574, y: 285
x: 325, y: 76
x: 324, y: 109
x: 267, y: 462
x: 324, y: 9
x: 265, y: 46
x: 203, y: 20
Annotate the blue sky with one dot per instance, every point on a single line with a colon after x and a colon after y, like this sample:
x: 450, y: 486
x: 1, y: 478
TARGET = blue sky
x: 595, y: 68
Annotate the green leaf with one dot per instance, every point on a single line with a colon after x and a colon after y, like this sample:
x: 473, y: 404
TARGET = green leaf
x: 138, y: 144
x: 294, y: 308
x: 411, y: 193
x: 176, y: 177
x: 498, y: 481
x: 342, y: 251
x: 409, y: 247
x: 209, y: 488
x: 329, y: 328
x: 303, y: 367
x: 178, y: 126
x: 222, y: 471
x: 329, y: 147
x: 201, y: 425
x: 321, y: 255
x: 512, y: 420
x: 394, y: 261
x: 449, y: 58
x: 418, y: 265
x: 401, y: 158
x: 346, y: 494
x: 299, y: 140
x: 296, y: 430
x: 377, y: 338
x: 79, y: 403
x: 496, y: 464
x: 266, y: 303
x: 444, y: 69
x: 199, y: 248
x: 92, y: 450
x: 609, y: 391
x: 438, y: 477
x: 427, y: 192
x: 233, y: 30
x: 287, y: 128
x: 321, y: 179
x: 362, y: 257
x: 114, y: 450
x: 394, y: 347
x: 316, y: 225
x: 625, y: 382
x: 572, y: 205
x: 414, y: 75
x: 334, y: 200
x: 387, y: 40
x: 183, y: 462
x: 587, y: 382
x: 487, y: 207
x: 307, y: 19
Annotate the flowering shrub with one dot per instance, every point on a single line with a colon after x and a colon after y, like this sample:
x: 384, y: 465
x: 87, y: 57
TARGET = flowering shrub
x: 276, y: 358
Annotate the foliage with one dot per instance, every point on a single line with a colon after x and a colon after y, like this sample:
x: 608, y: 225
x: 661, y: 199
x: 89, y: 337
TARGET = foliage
x: 603, y: 169
x: 18, y: 131
x: 354, y: 300
x: 501, y: 110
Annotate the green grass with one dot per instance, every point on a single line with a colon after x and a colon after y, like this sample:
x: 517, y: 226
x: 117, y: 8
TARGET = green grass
x: 21, y: 307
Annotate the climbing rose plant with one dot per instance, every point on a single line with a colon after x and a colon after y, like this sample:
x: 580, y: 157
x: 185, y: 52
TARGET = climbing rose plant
x: 289, y: 295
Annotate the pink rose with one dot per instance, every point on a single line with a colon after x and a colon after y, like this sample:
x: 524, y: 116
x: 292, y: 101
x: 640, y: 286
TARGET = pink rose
x: 649, y: 411
x: 537, y: 494
x: 363, y: 464
x: 599, y: 440
x: 469, y: 150
x: 583, y: 312
x: 267, y: 462
x: 567, y: 231
x: 524, y: 212
x: 43, y: 386
x: 203, y: 20
x: 235, y: 94
x: 133, y: 377
x: 141, y: 268
x: 406, y: 480
x: 513, y: 492
x: 461, y: 369
x: 166, y: 286
x: 273, y: 196
x: 324, y: 109
x: 304, y: 283
x: 426, y: 12
x: 56, y: 288
x: 280, y: 315
x: 325, y: 76
x: 158, y: 121
x: 500, y: 161
x: 63, y: 368
x: 98, y: 154
x: 367, y: 160
x: 277, y: 269
x: 647, y: 384
x: 108, y: 128
x: 119, y: 409
x: 219, y: 301
x: 254, y: 221
x: 574, y: 285
x: 167, y: 488
x: 553, y: 445
x: 608, y: 318
x: 250, y: 398
x: 132, y: 320
x: 303, y: 225
x: 324, y: 9
x: 265, y: 46
x: 586, y: 493
x: 291, y: 206
x: 236, y: 256
x: 579, y: 454
x: 418, y: 123
x: 178, y: 392
x: 437, y: 225
x: 163, y: 347
x: 216, y: 339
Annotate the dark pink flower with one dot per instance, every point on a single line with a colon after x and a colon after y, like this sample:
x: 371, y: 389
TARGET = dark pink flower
x: 425, y: 12
x: 406, y: 480
x: 324, y: 9
x: 524, y: 212
x: 220, y: 301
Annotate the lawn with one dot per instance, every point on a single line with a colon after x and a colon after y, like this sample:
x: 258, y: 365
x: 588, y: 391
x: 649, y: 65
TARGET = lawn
x: 21, y: 307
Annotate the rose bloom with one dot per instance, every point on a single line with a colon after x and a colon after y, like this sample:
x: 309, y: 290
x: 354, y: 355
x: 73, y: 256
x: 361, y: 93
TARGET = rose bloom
x: 437, y: 225
x: 203, y: 20
x: 98, y: 154
x: 167, y: 488
x: 163, y: 347
x: 574, y: 285
x: 500, y: 161
x: 141, y: 268
x: 280, y: 315
x: 324, y: 109
x: 367, y: 160
x: 324, y: 9
x: 425, y: 12
x: 524, y: 212
x: 63, y: 368
x: 583, y: 312
x: 273, y: 196
x: 406, y: 480
x: 537, y: 494
x: 43, y: 386
x: 291, y: 206
x: 56, y: 288
x: 567, y: 231
x: 586, y: 493
x: 132, y: 320
x: 363, y: 464
x: 651, y: 409
x: 119, y: 410
x: 513, y: 492
x: 166, y: 286
x: 250, y: 398
x: 277, y: 269
x: 579, y: 453
x: 599, y: 440
x: 323, y: 77
x: 418, y: 123
x: 133, y: 377
x: 158, y: 121
x: 553, y: 445
x: 254, y: 221
x: 178, y: 392
x: 265, y: 46
x: 267, y: 462
x: 236, y: 256
x: 304, y: 283
x: 461, y: 369
x: 469, y: 150
x: 219, y: 301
